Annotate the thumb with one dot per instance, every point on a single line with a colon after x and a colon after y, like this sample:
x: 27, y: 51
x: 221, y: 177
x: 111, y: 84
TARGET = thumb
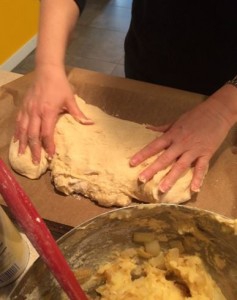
x: 77, y: 114
x: 160, y: 128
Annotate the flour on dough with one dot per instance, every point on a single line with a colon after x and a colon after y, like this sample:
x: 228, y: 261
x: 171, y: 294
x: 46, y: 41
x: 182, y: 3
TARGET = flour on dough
x: 93, y: 160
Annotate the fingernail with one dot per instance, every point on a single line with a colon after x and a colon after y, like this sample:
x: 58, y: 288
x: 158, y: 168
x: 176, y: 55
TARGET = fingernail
x: 234, y: 149
x: 142, y: 179
x: 133, y: 162
x: 50, y: 157
x: 195, y: 189
x: 20, y: 152
x: 164, y: 188
x: 86, y: 121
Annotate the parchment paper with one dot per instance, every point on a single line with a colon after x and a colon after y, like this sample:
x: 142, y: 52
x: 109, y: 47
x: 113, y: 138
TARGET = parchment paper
x: 127, y: 99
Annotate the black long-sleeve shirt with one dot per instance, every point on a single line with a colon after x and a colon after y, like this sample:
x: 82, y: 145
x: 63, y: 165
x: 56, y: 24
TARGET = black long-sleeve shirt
x: 186, y: 44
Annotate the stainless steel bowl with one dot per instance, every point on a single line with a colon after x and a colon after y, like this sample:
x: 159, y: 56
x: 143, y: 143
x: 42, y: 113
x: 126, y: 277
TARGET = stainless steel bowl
x: 212, y: 236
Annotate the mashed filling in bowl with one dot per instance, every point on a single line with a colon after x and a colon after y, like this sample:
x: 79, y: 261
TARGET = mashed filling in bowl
x: 147, y: 272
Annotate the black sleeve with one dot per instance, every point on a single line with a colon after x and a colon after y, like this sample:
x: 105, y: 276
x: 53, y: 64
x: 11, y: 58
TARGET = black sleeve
x: 81, y: 4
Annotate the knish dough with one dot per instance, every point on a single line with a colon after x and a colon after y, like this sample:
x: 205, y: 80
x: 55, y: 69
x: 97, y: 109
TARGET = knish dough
x: 23, y: 163
x: 93, y: 160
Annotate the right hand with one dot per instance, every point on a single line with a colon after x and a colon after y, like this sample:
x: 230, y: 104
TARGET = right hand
x: 49, y: 96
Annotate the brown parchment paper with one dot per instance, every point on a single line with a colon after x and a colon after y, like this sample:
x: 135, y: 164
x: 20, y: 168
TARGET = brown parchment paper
x: 131, y: 100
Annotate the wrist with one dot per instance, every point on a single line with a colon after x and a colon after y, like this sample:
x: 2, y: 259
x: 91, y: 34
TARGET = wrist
x: 46, y: 56
x: 49, y: 72
x: 44, y: 67
x: 47, y: 59
x: 225, y: 102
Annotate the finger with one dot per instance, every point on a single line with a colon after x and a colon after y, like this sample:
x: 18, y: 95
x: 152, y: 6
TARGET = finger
x: 161, y: 128
x: 162, y: 162
x: 47, y: 133
x: 149, y: 150
x: 177, y: 170
x: 22, y: 126
x: 34, y: 138
x: 17, y: 126
x: 200, y: 170
x: 77, y: 114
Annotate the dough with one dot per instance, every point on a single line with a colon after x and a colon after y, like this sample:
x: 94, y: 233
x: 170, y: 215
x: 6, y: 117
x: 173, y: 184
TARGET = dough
x: 22, y: 163
x: 93, y: 160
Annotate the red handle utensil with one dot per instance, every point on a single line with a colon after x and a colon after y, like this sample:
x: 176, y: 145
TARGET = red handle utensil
x: 38, y: 233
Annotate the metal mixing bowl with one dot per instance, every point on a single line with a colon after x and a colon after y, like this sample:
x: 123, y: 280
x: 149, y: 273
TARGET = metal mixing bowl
x: 212, y: 236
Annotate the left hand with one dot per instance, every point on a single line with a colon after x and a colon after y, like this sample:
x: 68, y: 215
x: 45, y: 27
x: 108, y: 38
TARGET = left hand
x: 190, y: 141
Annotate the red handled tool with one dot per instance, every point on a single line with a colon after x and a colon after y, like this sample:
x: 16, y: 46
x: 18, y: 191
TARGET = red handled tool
x: 34, y: 227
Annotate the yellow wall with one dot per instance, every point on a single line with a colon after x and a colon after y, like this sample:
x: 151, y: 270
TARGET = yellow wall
x: 18, y: 24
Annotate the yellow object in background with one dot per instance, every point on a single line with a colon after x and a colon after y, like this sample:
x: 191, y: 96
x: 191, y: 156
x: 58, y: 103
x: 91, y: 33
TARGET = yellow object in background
x: 18, y: 26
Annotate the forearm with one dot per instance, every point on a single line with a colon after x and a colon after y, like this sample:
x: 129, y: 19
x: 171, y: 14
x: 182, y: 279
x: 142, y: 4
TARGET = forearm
x: 57, y: 20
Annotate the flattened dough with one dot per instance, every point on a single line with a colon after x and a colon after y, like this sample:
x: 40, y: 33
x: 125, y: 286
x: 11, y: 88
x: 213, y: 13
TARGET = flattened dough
x: 93, y: 160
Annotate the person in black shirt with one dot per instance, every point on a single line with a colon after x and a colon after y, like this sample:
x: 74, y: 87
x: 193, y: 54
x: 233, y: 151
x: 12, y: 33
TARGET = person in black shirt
x: 182, y: 44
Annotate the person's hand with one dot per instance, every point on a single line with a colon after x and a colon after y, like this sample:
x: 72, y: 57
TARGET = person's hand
x: 190, y: 141
x: 48, y: 97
